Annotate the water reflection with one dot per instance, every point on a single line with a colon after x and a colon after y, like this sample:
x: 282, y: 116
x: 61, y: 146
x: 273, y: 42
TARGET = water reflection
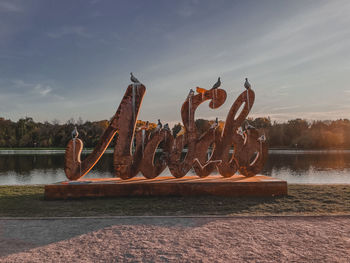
x: 293, y: 166
x: 309, y: 166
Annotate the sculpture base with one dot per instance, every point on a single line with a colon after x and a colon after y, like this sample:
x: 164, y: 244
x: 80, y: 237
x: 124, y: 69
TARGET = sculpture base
x: 236, y: 185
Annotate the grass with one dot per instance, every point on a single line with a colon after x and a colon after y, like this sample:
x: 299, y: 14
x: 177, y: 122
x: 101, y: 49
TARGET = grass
x: 28, y: 201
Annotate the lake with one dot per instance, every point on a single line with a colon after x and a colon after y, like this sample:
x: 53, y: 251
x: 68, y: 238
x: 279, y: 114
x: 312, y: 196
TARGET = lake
x: 19, y: 167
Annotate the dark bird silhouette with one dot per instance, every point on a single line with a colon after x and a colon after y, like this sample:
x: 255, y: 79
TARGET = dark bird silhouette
x: 191, y: 93
x: 159, y: 125
x: 247, y: 84
x: 215, y: 124
x: 217, y: 84
x: 166, y: 127
x: 133, y: 79
x: 248, y: 126
x: 75, y: 133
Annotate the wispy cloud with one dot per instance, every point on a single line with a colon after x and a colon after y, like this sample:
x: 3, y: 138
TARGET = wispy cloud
x: 29, y: 98
x: 79, y: 31
x: 312, y: 115
x: 185, y: 12
x: 10, y: 6
x: 18, y: 83
x: 42, y: 90
x: 24, y: 88
x: 284, y: 108
x: 187, y: 8
x: 295, y: 56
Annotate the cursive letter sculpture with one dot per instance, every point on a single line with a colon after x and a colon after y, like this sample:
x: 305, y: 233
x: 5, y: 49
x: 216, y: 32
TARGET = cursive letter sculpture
x: 249, y: 148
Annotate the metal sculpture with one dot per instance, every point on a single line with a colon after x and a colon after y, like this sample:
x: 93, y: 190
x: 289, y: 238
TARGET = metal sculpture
x: 134, y: 151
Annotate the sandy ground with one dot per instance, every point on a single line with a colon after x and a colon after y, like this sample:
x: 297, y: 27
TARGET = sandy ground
x: 173, y: 239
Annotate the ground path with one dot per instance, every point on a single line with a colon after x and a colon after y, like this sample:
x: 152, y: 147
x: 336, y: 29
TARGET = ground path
x: 176, y: 239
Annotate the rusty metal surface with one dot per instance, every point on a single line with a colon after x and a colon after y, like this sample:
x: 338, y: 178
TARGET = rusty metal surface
x: 135, y: 150
x: 237, y: 185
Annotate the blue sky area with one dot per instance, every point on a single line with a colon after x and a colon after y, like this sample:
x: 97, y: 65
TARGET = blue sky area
x: 63, y: 59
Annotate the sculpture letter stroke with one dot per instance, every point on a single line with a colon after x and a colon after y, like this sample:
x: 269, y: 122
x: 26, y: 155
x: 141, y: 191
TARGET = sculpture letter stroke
x: 248, y: 157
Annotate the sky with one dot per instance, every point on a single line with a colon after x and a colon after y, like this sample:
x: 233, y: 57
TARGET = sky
x: 70, y: 59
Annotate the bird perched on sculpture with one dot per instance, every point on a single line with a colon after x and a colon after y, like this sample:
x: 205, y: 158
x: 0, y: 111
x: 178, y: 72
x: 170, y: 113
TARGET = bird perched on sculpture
x: 75, y: 133
x: 248, y: 126
x: 166, y: 127
x: 215, y: 124
x: 215, y: 86
x: 247, y: 84
x: 191, y: 93
x: 159, y: 125
x: 134, y: 79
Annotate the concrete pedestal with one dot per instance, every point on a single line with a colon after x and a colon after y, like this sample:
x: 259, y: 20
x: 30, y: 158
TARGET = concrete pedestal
x: 236, y: 185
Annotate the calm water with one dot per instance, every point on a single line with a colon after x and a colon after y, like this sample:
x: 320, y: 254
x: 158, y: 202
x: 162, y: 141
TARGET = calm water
x: 44, y: 167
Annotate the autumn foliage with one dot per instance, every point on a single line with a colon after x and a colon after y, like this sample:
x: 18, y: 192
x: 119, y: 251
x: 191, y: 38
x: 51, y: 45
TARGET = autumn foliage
x: 297, y: 133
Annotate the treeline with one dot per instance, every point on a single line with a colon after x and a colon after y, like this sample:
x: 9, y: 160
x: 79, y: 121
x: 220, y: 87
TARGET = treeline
x: 27, y: 133
x: 302, y: 134
x: 297, y: 133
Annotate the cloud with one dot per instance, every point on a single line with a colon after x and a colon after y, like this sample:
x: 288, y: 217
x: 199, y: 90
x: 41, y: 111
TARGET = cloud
x: 187, y: 9
x: 294, y: 51
x: 42, y: 90
x: 18, y: 83
x: 79, y: 31
x: 293, y: 55
x: 9, y: 7
x: 21, y: 87
x: 30, y: 98
x: 311, y: 115
x: 185, y: 12
x: 284, y: 108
